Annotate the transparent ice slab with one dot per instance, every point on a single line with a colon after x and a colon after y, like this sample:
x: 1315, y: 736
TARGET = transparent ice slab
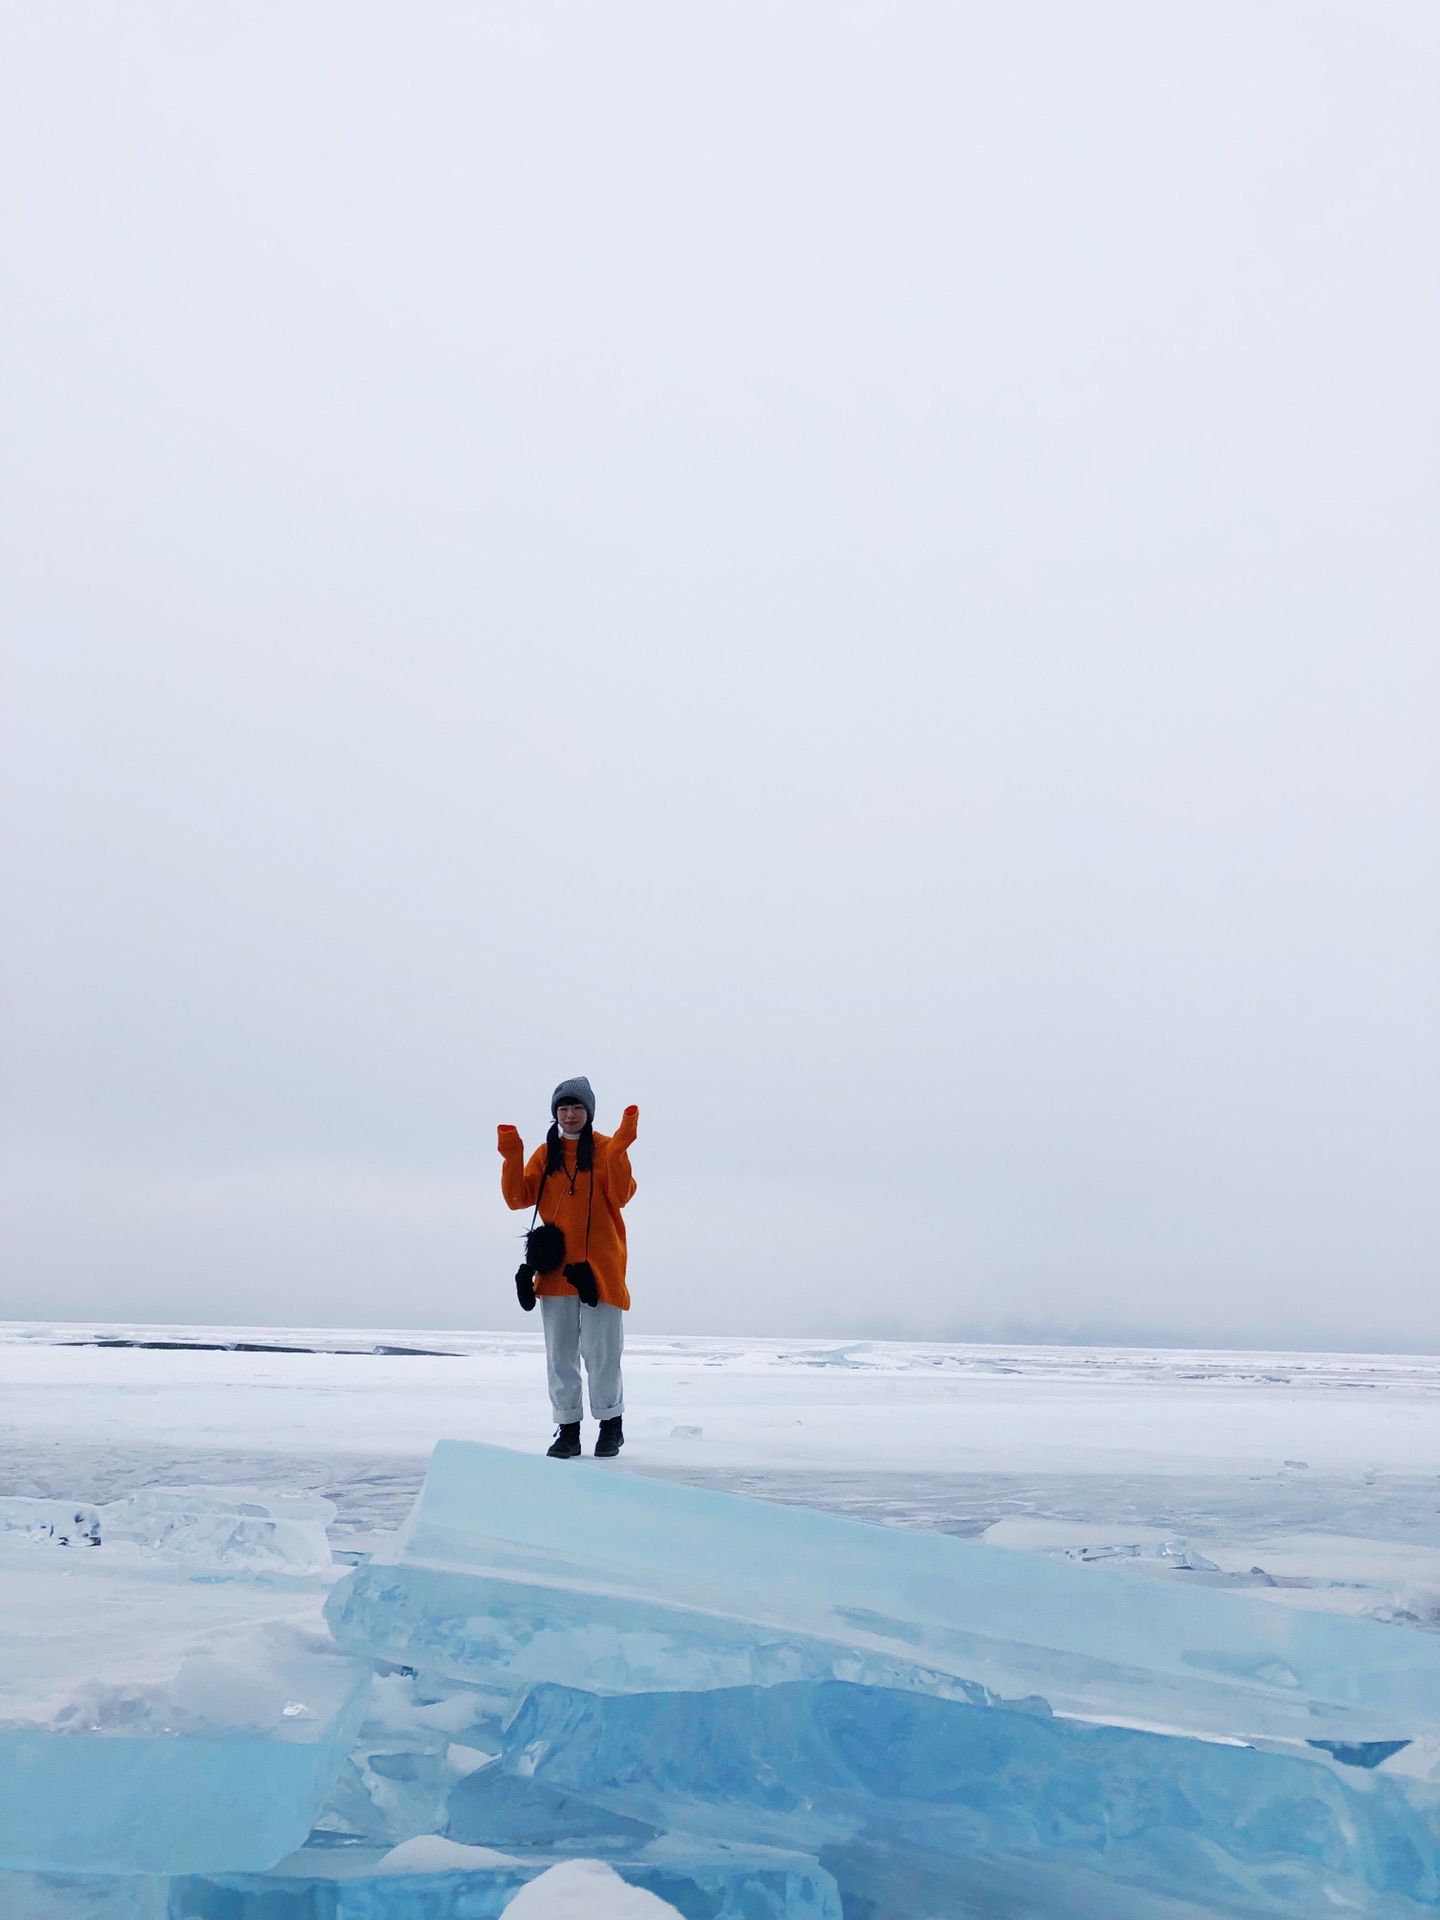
x: 518, y: 1814
x: 227, y: 1528
x: 418, y: 1739
x: 869, y: 1779
x: 224, y: 1526
x: 49, y: 1523
x: 152, y: 1723
x: 514, y: 1570
x: 83, y: 1896
x: 703, y: 1880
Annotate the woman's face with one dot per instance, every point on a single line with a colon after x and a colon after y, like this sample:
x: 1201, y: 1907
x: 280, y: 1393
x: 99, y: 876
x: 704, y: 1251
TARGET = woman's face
x: 572, y: 1116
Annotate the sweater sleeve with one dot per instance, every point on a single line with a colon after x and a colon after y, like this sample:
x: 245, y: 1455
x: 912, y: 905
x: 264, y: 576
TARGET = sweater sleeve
x: 520, y: 1184
x: 618, y: 1177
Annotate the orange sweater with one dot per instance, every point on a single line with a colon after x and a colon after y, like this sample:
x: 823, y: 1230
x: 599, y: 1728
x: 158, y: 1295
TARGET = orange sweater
x: 570, y: 1196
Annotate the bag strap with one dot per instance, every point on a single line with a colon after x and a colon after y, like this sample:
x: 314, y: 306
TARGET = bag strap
x: 544, y: 1176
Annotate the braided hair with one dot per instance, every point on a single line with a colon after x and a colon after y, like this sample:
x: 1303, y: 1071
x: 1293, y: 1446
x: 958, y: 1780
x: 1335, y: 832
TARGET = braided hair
x: 584, y: 1150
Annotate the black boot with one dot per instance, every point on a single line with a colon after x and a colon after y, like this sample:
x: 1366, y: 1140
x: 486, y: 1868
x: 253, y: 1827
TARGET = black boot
x: 566, y: 1444
x: 612, y: 1438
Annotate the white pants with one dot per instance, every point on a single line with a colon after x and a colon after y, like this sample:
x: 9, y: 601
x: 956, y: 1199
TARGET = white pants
x: 595, y: 1335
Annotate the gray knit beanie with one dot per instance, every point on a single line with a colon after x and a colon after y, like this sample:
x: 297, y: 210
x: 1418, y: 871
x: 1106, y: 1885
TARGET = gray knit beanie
x: 578, y: 1089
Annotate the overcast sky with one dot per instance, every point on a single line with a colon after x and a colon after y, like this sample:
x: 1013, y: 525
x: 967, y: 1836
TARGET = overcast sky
x: 865, y: 576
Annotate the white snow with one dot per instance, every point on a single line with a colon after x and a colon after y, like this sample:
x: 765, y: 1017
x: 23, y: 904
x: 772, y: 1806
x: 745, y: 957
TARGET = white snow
x: 760, y: 1405
x: 433, y: 1853
x: 1322, y: 1471
x: 586, y: 1890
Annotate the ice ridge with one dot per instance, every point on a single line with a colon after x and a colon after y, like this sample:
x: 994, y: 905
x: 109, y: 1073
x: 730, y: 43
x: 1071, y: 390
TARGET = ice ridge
x: 839, y: 1771
x: 221, y: 1527
x: 701, y: 1881
x: 226, y: 1764
x: 752, y: 1711
x: 508, y: 1574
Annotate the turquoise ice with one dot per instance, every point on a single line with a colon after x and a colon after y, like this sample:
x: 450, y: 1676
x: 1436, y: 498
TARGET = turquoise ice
x: 934, y: 1721
x: 899, y: 1787
x: 759, y: 1712
x: 703, y: 1881
x: 157, y: 1718
x: 225, y: 1768
x: 512, y: 1572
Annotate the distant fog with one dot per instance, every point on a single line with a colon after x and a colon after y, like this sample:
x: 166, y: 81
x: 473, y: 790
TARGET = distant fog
x: 864, y: 576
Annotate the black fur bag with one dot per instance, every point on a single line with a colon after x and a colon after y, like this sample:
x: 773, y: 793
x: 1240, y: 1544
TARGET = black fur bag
x: 545, y: 1247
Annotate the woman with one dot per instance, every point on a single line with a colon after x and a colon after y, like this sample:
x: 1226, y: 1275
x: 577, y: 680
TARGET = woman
x: 575, y: 1258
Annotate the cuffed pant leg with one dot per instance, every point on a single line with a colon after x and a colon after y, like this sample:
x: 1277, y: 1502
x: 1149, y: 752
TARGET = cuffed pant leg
x: 560, y: 1313
x: 602, y: 1341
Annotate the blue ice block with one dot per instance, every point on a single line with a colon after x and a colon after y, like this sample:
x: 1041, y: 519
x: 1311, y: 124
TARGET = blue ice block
x: 230, y: 1529
x: 881, y: 1785
x: 703, y: 1880
x: 512, y: 1571
x: 517, y: 1814
x: 152, y: 1724
x: 83, y: 1896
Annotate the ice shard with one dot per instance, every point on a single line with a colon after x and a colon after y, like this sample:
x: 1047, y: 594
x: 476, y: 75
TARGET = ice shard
x: 228, y: 1528
x: 887, y: 1786
x: 512, y: 1572
x: 701, y: 1880
x: 82, y: 1896
x: 154, y: 1723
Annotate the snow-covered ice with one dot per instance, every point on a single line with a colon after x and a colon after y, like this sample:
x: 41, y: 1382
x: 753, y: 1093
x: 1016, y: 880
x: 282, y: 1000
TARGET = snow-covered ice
x: 219, y: 1527
x: 1102, y: 1504
x: 763, y: 1406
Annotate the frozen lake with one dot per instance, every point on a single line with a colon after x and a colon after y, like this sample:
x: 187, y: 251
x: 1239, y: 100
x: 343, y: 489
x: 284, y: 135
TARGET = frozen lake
x: 1315, y: 1477
x: 470, y: 1728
